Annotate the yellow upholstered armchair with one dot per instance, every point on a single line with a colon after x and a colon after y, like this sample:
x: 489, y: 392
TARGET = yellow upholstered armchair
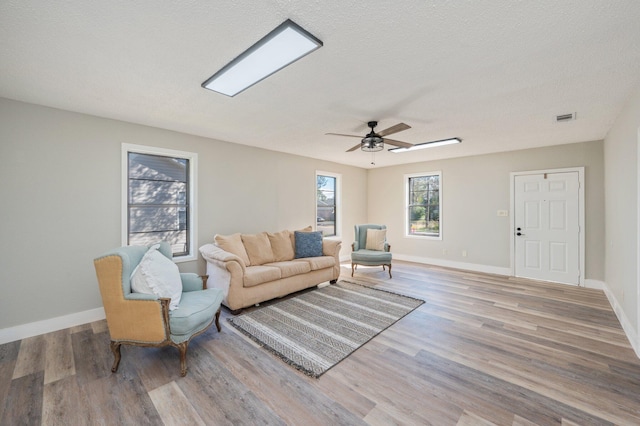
x: 146, y: 319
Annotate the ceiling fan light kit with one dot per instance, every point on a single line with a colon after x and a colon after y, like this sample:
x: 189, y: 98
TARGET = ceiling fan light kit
x: 284, y: 45
x: 424, y: 145
x: 372, y: 142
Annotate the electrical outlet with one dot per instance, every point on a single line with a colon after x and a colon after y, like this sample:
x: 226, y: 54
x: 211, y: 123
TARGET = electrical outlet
x: 464, y: 253
x: 445, y: 251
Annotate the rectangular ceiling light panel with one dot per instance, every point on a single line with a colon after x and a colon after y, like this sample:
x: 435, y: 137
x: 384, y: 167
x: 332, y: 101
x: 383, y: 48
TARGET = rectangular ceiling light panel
x: 281, y: 47
x: 427, y: 145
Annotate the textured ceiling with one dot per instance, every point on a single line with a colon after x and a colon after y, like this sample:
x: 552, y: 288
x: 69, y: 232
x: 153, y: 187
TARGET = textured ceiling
x: 494, y: 73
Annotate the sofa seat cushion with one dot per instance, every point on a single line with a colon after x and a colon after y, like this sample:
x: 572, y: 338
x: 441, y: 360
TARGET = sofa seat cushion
x: 375, y: 257
x: 194, y: 312
x: 289, y: 269
x: 320, y: 262
x: 255, y: 275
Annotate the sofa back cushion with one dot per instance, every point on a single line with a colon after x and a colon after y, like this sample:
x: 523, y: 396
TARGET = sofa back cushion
x: 258, y: 248
x: 281, y: 246
x: 233, y: 244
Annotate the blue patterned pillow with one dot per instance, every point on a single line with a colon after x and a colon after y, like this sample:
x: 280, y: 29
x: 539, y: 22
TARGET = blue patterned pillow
x: 308, y: 244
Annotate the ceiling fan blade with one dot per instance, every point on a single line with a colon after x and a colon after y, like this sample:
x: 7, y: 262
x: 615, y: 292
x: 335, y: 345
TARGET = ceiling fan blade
x: 394, y: 129
x: 342, y: 134
x: 398, y: 143
x: 354, y: 148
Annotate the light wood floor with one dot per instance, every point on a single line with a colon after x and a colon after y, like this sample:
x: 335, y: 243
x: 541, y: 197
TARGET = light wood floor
x: 483, y: 349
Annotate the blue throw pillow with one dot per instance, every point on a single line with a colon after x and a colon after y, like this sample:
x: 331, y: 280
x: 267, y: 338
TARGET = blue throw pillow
x: 308, y: 244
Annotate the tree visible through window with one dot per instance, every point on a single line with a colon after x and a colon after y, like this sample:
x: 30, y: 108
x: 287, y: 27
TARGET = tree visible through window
x: 423, y: 204
x: 326, y: 205
x: 158, y: 205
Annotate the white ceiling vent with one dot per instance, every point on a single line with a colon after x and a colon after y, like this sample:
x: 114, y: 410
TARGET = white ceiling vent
x: 566, y: 117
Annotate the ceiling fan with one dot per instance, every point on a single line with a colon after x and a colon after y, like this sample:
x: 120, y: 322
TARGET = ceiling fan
x: 373, y: 142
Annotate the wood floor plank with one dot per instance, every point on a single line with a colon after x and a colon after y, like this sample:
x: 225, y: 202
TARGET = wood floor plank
x: 92, y: 356
x: 31, y: 357
x: 9, y: 351
x: 23, y: 405
x: 59, y: 361
x: 470, y: 419
x: 6, y: 374
x: 174, y: 406
x: 64, y: 403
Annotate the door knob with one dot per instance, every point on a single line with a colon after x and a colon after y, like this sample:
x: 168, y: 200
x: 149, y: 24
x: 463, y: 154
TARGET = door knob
x: 519, y: 234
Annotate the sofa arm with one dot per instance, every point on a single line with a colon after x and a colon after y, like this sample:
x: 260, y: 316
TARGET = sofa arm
x: 215, y: 255
x: 331, y: 247
x: 191, y: 281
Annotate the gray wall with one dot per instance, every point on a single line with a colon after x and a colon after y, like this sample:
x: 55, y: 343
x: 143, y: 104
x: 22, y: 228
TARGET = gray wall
x: 60, y: 202
x: 60, y: 198
x: 621, y: 184
x: 474, y: 189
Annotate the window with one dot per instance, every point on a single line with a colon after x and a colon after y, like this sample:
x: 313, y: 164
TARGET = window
x: 327, y: 204
x: 158, y: 198
x: 423, y: 204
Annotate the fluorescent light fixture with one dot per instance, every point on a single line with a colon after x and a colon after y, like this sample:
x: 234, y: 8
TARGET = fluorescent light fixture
x: 281, y: 47
x: 427, y: 145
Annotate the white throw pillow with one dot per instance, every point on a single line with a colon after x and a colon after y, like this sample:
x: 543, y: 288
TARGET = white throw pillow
x: 376, y: 238
x: 157, y: 274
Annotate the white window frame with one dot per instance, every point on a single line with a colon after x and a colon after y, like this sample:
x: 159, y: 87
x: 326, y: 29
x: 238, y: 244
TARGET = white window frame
x: 193, y: 191
x: 406, y: 205
x: 338, y: 198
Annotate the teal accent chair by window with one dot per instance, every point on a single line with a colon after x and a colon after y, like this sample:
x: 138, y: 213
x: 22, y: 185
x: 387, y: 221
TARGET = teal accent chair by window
x: 145, y: 319
x: 372, y: 253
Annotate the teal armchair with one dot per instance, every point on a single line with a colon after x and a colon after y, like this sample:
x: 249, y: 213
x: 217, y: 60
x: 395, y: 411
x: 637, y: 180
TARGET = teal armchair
x: 378, y: 254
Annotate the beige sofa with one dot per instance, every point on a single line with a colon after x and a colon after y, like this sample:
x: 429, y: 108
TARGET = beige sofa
x: 252, y: 268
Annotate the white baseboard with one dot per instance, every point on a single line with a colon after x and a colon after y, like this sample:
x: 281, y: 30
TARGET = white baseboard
x: 23, y: 331
x: 595, y: 284
x: 626, y: 324
x: 454, y: 264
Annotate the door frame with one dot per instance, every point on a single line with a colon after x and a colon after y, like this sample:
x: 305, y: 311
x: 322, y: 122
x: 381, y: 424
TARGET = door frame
x: 581, y: 221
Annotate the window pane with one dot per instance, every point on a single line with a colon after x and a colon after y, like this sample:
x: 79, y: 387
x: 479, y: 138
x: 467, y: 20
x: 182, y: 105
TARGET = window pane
x: 157, y: 192
x: 157, y: 203
x: 424, y: 205
x: 326, y: 205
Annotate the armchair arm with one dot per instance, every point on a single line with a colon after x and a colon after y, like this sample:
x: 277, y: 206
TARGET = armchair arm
x: 141, y: 296
x: 355, y: 246
x: 193, y: 282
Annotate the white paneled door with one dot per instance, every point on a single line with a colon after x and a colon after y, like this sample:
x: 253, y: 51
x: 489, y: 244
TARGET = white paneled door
x: 546, y: 224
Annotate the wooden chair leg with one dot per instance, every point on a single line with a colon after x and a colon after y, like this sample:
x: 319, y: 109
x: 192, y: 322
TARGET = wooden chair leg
x: 218, y: 320
x: 182, y: 347
x: 389, y: 265
x: 353, y: 267
x: 115, y: 348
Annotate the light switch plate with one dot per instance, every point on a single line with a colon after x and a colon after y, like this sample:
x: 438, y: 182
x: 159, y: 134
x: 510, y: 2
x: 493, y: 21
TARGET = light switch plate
x: 503, y: 212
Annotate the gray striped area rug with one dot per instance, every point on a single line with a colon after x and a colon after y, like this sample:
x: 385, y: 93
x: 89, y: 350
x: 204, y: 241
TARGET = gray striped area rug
x: 315, y: 330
